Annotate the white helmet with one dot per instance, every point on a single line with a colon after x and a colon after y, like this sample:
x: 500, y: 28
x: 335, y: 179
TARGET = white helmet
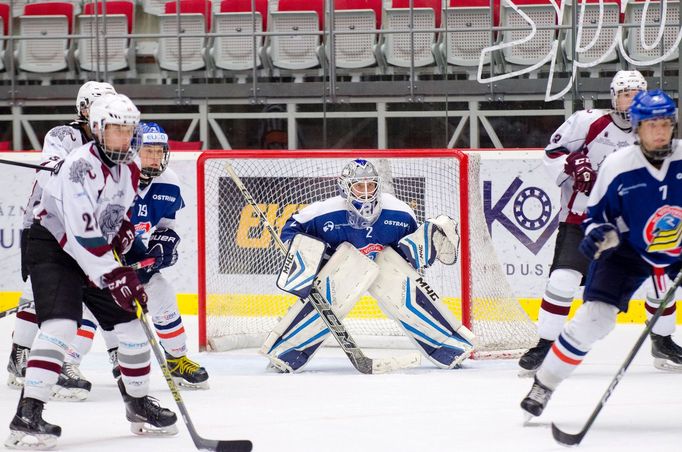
x: 363, y: 205
x: 114, y: 109
x: 625, y: 81
x: 88, y: 93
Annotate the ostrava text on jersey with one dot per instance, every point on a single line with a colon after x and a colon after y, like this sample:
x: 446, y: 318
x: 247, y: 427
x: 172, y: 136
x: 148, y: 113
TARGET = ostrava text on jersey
x: 159, y: 200
x: 654, y: 227
x: 327, y: 220
x: 593, y: 132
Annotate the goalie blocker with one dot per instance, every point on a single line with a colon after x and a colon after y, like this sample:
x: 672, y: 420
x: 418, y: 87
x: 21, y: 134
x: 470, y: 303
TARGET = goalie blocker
x: 403, y: 295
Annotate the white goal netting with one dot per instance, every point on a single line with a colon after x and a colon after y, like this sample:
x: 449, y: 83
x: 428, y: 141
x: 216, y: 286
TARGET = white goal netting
x: 239, y: 261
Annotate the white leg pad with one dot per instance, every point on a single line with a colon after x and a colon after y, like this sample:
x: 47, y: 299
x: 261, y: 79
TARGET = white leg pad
x: 299, y: 334
x: 405, y: 296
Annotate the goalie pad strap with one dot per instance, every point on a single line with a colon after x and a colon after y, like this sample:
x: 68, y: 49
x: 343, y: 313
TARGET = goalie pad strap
x: 341, y: 281
x: 405, y: 296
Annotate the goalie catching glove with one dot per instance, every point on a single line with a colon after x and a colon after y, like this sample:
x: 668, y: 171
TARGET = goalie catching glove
x: 437, y: 238
x: 163, y: 246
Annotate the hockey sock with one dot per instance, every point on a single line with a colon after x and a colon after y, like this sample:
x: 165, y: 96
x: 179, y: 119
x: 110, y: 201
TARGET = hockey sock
x: 556, y: 302
x: 82, y: 343
x: 593, y: 321
x: 25, y: 327
x: 47, y: 356
x: 171, y: 333
x: 665, y: 325
x: 134, y: 357
x: 110, y: 339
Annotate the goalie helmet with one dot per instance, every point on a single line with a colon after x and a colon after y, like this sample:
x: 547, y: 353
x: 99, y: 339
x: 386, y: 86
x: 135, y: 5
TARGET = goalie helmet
x: 625, y: 81
x: 360, y: 186
x: 154, y: 139
x: 651, y: 105
x: 87, y: 94
x: 120, y: 145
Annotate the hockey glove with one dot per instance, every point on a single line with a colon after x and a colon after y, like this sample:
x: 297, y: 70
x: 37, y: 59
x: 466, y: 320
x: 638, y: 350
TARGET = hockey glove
x: 163, y: 246
x: 125, y: 287
x: 124, y: 238
x: 579, y: 167
x: 600, y: 239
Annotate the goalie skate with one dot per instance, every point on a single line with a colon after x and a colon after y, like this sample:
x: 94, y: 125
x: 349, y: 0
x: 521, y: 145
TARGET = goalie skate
x: 187, y: 373
x: 29, y: 431
x: 667, y: 354
x: 146, y: 416
x: 71, y: 385
x: 16, y: 367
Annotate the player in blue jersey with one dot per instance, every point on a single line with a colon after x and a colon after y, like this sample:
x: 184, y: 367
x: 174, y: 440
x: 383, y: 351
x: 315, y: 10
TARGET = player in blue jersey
x: 358, y: 241
x: 153, y: 215
x: 633, y: 226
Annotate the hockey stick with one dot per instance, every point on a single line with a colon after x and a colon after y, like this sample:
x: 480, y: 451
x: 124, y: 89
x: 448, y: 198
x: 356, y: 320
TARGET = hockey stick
x: 199, y: 442
x: 573, y: 439
x: 23, y: 303
x: 360, y: 361
x: 28, y: 165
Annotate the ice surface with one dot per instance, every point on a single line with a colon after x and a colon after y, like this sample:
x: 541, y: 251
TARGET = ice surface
x: 330, y: 407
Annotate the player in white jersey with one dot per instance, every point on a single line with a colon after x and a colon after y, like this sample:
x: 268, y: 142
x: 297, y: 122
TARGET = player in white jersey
x: 573, y: 158
x: 79, y: 223
x: 633, y: 226
x: 362, y: 240
x: 58, y: 143
x: 153, y: 215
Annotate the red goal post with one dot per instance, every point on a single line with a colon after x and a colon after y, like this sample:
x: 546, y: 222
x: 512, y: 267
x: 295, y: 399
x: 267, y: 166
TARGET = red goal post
x: 238, y: 261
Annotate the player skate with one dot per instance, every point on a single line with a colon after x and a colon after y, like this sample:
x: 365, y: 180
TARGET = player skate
x: 28, y: 429
x: 71, y: 385
x: 187, y: 373
x: 667, y: 354
x: 146, y: 416
x: 16, y: 367
x: 531, y: 360
x: 536, y: 400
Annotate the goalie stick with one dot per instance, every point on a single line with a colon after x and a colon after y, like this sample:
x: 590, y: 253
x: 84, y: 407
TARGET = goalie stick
x: 573, y: 439
x: 199, y: 442
x: 360, y: 361
x: 26, y: 303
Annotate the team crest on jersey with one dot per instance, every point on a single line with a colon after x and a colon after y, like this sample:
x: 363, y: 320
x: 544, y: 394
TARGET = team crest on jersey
x: 371, y: 250
x: 79, y: 169
x: 142, y: 228
x: 663, y: 231
x: 111, y: 218
x: 61, y: 132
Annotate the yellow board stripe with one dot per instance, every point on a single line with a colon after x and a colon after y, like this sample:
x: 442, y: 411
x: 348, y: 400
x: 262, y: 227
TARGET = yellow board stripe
x: 365, y: 308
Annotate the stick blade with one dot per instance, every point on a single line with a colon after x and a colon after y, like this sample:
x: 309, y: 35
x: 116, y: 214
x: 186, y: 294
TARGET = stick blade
x: 237, y: 445
x: 567, y: 439
x: 387, y: 365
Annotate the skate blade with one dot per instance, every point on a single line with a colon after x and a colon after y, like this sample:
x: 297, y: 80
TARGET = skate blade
x: 527, y: 418
x: 28, y: 441
x: 15, y: 382
x: 525, y: 373
x: 145, y: 429
x: 667, y: 365
x: 69, y: 394
x: 184, y: 384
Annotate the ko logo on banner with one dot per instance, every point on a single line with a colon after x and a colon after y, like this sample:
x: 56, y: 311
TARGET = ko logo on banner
x: 531, y: 211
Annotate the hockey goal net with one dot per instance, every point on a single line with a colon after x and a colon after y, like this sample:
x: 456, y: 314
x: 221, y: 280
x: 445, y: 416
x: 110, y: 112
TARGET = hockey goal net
x: 239, y: 302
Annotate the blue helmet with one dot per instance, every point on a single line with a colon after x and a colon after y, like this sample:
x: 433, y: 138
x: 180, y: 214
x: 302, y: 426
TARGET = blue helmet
x: 654, y: 104
x: 152, y: 134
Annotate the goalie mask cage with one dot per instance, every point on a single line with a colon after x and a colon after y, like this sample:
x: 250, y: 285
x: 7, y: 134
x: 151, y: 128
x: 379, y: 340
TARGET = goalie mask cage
x: 239, y: 303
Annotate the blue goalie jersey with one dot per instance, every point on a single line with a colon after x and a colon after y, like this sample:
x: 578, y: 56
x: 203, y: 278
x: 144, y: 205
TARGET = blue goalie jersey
x: 328, y: 221
x: 643, y: 202
x: 158, y: 201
